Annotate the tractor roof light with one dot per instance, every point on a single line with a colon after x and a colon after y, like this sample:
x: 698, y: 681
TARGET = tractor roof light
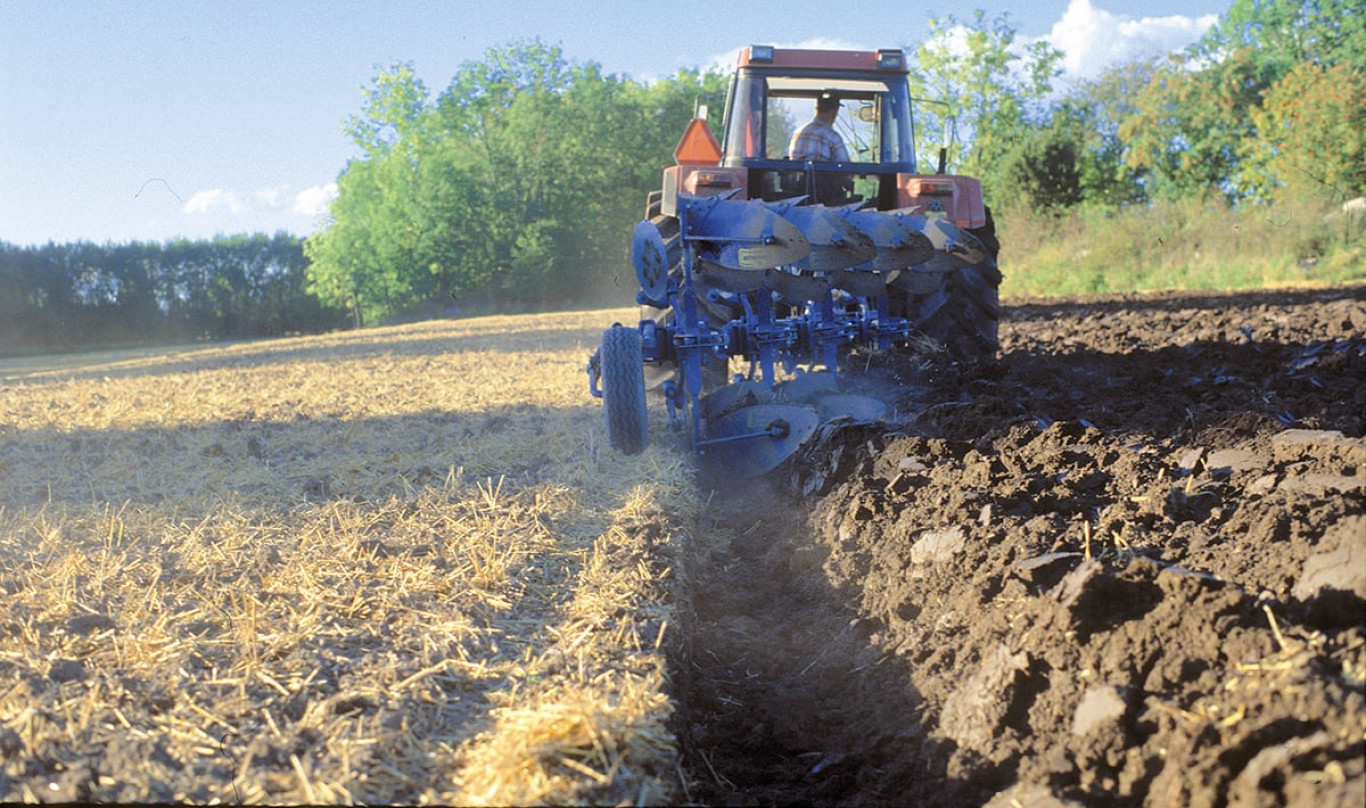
x: 891, y: 59
x: 761, y: 53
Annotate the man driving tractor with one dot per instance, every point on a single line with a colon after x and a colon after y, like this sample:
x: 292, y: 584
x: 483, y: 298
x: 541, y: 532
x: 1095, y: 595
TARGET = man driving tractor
x: 818, y: 140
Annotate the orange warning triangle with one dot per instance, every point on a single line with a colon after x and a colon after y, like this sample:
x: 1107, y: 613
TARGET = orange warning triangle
x: 698, y: 146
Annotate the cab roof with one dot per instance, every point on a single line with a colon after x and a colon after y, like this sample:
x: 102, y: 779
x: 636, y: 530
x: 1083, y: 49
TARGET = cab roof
x: 891, y: 60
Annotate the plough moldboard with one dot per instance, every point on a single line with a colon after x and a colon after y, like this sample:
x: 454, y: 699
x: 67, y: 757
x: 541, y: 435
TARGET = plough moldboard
x: 782, y: 286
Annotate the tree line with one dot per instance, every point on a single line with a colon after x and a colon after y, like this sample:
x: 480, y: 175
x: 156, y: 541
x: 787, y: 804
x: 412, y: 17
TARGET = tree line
x: 517, y: 185
x: 61, y: 296
x: 521, y: 181
x: 1268, y: 106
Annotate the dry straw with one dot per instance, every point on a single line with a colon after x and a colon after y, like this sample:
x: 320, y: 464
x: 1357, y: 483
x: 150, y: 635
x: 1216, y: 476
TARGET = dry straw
x: 390, y: 566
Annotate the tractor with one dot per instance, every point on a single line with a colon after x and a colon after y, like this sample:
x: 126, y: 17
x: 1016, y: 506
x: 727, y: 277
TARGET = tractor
x: 752, y: 259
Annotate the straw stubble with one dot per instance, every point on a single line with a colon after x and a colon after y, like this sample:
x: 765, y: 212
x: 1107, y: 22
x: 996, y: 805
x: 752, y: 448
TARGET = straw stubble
x: 390, y: 566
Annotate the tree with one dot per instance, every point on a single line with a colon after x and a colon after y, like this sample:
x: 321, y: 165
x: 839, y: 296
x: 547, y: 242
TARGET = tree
x: 519, y: 182
x: 1186, y: 133
x: 370, y: 254
x: 990, y: 85
x: 1044, y: 170
x: 1312, y: 127
x: 1287, y: 32
x: 1092, y: 114
x: 1198, y: 115
x: 70, y: 295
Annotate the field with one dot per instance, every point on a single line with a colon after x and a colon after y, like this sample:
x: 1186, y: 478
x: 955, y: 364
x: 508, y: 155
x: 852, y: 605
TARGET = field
x: 396, y: 566
x: 1124, y: 565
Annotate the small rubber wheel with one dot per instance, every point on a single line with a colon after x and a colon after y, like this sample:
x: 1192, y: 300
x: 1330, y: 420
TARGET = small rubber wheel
x: 623, y: 390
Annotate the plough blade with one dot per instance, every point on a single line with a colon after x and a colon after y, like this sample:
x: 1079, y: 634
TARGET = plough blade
x: 946, y: 239
x: 754, y: 440
x: 900, y: 242
x: 741, y: 235
x: 796, y: 287
x: 850, y: 405
x: 836, y: 242
x: 748, y: 436
x: 861, y: 282
x: 725, y: 400
x: 731, y: 280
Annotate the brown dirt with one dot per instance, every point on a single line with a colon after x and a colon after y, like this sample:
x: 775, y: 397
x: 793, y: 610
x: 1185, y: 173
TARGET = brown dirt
x: 1126, y: 565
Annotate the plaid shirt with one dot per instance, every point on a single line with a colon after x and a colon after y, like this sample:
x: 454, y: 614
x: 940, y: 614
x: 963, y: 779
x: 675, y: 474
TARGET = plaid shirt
x: 818, y: 140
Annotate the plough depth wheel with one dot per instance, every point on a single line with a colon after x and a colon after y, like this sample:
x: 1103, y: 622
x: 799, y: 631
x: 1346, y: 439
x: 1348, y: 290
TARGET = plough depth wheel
x: 623, y: 390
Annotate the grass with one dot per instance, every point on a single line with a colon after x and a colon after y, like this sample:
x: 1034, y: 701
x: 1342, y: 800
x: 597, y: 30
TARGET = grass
x: 391, y: 566
x: 1178, y: 245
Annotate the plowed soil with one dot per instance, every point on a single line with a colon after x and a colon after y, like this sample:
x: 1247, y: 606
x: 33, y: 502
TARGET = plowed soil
x: 1123, y: 565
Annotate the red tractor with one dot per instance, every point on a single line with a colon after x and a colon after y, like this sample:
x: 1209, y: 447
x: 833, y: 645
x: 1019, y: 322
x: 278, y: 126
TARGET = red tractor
x: 761, y: 252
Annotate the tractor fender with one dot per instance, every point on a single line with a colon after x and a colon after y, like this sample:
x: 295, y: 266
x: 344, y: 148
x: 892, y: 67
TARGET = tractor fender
x: 957, y: 197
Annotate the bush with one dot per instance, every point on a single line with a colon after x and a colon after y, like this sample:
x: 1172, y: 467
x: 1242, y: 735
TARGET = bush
x: 1044, y: 171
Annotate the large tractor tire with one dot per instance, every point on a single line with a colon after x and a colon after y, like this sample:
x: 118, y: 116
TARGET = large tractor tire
x: 952, y: 302
x: 623, y: 390
x: 987, y: 235
x: 961, y: 313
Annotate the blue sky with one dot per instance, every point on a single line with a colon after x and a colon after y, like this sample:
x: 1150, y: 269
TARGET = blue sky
x: 158, y: 120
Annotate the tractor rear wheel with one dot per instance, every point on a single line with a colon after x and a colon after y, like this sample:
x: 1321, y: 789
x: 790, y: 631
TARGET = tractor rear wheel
x: 987, y: 235
x: 962, y: 315
x: 957, y: 307
x: 623, y: 390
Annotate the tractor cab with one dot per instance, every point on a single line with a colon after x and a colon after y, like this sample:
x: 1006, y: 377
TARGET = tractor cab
x: 774, y: 93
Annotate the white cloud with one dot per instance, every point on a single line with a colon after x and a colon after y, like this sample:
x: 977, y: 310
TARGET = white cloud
x: 264, y: 202
x: 1093, y: 39
x: 273, y: 198
x: 216, y: 200
x: 314, y: 201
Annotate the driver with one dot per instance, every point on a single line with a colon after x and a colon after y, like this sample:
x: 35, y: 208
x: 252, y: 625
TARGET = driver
x: 818, y: 140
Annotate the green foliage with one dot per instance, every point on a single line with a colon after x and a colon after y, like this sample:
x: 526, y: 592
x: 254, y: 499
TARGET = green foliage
x: 392, y: 115
x: 986, y: 85
x: 1286, y: 32
x: 1186, y: 133
x: 1110, y: 191
x: 366, y: 259
x: 1312, y: 127
x: 520, y: 182
x: 1092, y: 114
x: 1199, y: 119
x: 1044, y: 170
x: 83, y: 294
